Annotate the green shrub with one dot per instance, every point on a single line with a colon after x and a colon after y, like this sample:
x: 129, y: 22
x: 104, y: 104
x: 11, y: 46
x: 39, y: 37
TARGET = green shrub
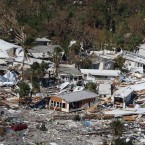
x: 77, y: 118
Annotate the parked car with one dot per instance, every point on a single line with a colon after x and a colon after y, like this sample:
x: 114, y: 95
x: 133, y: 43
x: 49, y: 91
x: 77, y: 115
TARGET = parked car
x: 18, y: 127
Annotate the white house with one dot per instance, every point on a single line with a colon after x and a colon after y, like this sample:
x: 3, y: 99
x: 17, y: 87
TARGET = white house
x: 99, y: 75
x: 134, y: 62
x: 123, y: 97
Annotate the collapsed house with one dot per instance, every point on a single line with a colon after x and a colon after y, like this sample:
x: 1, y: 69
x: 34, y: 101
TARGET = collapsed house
x: 9, y: 50
x: 73, y: 101
x: 123, y: 97
x: 69, y: 73
x: 42, y: 52
x: 9, y: 79
x: 43, y: 49
x: 134, y: 62
x: 66, y: 73
x: 101, y: 63
x: 42, y: 41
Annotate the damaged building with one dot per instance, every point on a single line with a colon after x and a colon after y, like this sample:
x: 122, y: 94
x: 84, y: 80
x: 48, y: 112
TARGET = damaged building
x: 73, y: 101
x: 123, y: 97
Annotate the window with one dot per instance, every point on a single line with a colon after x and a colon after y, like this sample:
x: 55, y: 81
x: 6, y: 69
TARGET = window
x: 57, y: 104
x: 52, y: 102
x: 75, y: 78
x: 63, y: 105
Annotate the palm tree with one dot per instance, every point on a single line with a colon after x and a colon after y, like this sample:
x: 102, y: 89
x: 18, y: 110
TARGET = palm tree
x: 117, y: 127
x: 20, y: 36
x: 56, y: 58
x: 74, y: 53
x: 43, y: 67
x: 24, y: 90
x: 119, y: 63
x: 91, y: 86
x: 36, y: 73
x: 26, y: 42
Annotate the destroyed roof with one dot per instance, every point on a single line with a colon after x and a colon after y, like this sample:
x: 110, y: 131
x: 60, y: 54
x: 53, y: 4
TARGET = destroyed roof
x: 96, y: 72
x: 133, y: 57
x: 105, y: 89
x: 123, y: 92
x: 127, y: 111
x: 30, y: 61
x: 142, y: 50
x: 2, y: 61
x: 77, y: 96
x: 43, y: 39
x: 6, y: 45
x: 3, y: 54
x: 4, y: 67
x: 96, y: 60
x: 62, y: 70
x: 138, y: 87
x: 44, y: 49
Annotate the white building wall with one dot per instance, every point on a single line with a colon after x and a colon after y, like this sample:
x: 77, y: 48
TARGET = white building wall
x: 67, y: 107
x: 101, y: 66
x: 134, y: 66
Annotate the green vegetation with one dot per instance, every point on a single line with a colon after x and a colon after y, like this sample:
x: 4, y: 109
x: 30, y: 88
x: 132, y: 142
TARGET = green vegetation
x: 119, y: 141
x: 56, y: 57
x: 119, y: 63
x: 37, y: 71
x: 98, y: 23
x: 122, y: 142
x: 40, y: 143
x: 117, y: 127
x: 77, y: 117
x: 24, y: 89
x: 91, y: 86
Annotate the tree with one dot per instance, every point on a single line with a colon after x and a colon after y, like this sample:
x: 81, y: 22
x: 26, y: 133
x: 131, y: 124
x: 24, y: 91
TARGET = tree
x: 119, y: 63
x: 91, y: 86
x: 36, y: 70
x: 35, y: 85
x: 19, y: 35
x: 43, y: 67
x: 86, y: 63
x: 119, y: 141
x: 35, y: 78
x: 134, y: 42
x: 24, y: 90
x: 56, y: 58
x: 117, y: 127
x: 74, y: 53
x: 26, y: 41
x: 94, y: 21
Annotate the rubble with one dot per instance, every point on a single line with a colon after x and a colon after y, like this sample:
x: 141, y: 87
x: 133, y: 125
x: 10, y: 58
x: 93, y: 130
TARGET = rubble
x: 63, y: 112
